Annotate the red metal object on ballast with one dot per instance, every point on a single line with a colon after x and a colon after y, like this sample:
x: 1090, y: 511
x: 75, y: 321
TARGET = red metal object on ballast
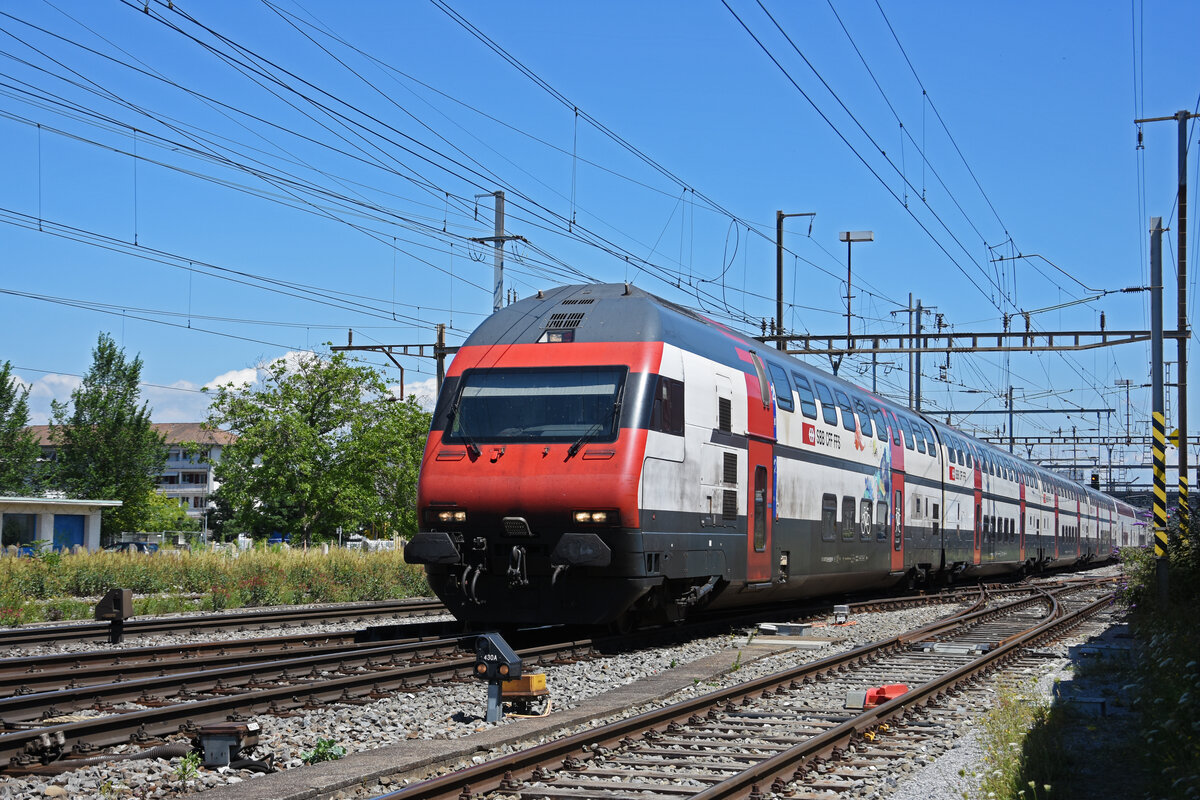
x: 881, y: 694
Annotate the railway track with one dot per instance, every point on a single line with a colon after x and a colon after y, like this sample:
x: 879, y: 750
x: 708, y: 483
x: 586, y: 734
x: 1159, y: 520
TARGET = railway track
x: 790, y: 733
x: 239, y: 620
x: 62, y: 708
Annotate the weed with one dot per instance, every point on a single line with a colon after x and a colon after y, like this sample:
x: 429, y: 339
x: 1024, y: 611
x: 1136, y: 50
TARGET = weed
x: 323, y: 750
x: 188, y: 767
x: 737, y: 662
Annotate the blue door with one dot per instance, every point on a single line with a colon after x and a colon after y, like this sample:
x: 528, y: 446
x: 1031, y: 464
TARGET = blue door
x: 68, y: 531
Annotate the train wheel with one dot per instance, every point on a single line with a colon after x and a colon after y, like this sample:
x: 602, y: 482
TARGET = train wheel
x: 624, y: 624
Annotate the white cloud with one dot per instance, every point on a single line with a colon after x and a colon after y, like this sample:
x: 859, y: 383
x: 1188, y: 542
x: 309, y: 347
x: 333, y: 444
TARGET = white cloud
x: 425, y: 391
x: 45, y: 388
x: 238, y: 377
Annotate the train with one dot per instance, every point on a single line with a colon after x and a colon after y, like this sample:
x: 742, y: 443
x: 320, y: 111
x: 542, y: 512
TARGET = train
x: 601, y: 456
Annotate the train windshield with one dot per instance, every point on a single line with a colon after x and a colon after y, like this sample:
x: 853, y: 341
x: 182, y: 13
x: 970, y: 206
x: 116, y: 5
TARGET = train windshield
x: 559, y: 404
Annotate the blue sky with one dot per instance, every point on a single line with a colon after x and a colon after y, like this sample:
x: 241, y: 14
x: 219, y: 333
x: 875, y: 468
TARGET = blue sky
x: 221, y: 183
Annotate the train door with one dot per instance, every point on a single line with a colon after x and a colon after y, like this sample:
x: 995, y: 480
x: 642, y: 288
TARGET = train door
x: 1021, y: 532
x: 896, y: 442
x: 977, y: 550
x: 760, y: 432
x: 1055, y: 525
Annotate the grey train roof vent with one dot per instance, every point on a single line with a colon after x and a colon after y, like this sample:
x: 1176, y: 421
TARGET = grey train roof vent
x: 578, y: 301
x: 564, y: 321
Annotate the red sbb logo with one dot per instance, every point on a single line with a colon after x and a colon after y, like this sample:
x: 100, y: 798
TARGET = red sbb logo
x: 810, y: 434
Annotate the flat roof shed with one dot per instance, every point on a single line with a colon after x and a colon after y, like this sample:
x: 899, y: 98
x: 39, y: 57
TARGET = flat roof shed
x: 60, y: 523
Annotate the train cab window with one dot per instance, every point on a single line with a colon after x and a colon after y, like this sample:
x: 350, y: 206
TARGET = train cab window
x: 864, y: 521
x: 847, y: 412
x: 848, y: 518
x: 537, y: 404
x: 864, y: 417
x: 666, y: 414
x: 881, y: 518
x: 828, y: 409
x: 828, y: 517
x: 783, y: 389
x: 808, y: 402
x: 881, y: 426
x: 906, y: 430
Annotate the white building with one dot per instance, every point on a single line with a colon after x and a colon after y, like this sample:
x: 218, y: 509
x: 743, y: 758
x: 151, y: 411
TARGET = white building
x: 51, y: 522
x: 188, y: 474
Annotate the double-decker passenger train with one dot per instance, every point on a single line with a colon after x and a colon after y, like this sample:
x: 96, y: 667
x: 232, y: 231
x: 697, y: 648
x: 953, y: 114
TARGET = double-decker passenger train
x: 599, y: 455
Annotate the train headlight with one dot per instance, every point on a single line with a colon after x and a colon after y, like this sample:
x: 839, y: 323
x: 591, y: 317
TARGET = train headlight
x: 446, y: 516
x: 595, y: 517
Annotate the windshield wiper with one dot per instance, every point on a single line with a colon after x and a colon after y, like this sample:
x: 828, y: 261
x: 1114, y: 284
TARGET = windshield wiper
x: 472, y: 448
x: 589, y: 433
x: 592, y: 431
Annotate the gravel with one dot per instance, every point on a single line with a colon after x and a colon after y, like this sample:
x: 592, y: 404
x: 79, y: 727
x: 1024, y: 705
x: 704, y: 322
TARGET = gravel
x: 455, y: 710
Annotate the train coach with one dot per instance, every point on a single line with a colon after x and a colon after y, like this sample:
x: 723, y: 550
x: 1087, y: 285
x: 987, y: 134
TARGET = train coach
x: 601, y: 456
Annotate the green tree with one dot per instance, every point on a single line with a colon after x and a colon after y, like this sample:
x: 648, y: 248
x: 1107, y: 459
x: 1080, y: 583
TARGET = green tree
x: 321, y: 443
x: 166, y: 514
x: 19, y: 449
x: 107, y: 448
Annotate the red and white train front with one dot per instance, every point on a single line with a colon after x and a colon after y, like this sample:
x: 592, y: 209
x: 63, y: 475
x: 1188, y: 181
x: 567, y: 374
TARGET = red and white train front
x: 529, y: 482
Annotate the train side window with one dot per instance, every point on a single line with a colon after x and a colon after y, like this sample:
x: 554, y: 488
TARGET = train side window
x: 881, y: 519
x: 864, y: 520
x: 918, y: 435
x: 881, y: 426
x: 895, y: 426
x: 828, y: 517
x: 783, y: 389
x: 864, y: 417
x: 828, y: 409
x: 930, y: 437
x: 808, y: 401
x: 847, y: 412
x: 666, y: 415
x: 848, y: 518
x: 907, y: 431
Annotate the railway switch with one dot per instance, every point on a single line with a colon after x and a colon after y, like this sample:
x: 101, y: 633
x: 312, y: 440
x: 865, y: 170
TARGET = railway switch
x: 116, y: 607
x: 221, y: 743
x: 495, y: 662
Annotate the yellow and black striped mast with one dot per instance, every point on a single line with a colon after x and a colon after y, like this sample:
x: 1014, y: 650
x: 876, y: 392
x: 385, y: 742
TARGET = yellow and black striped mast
x: 1158, y: 422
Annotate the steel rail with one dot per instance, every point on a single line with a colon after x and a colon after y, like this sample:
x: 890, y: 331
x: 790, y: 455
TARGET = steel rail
x: 25, y: 749
x: 506, y: 772
x: 747, y: 782
x: 489, y: 775
x: 139, y: 627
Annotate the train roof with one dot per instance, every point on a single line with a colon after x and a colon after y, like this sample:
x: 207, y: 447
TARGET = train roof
x: 622, y: 312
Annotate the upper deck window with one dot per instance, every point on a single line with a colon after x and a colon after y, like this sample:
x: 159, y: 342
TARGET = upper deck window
x: 551, y: 404
x: 783, y: 389
x: 808, y: 405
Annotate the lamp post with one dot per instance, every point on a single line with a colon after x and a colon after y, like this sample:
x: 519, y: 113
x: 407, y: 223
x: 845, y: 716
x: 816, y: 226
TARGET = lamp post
x: 850, y: 237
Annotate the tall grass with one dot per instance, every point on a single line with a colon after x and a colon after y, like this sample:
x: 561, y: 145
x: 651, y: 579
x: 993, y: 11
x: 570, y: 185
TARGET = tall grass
x: 38, y: 588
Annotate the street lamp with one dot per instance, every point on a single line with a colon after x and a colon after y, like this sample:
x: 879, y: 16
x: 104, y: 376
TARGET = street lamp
x: 850, y: 237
